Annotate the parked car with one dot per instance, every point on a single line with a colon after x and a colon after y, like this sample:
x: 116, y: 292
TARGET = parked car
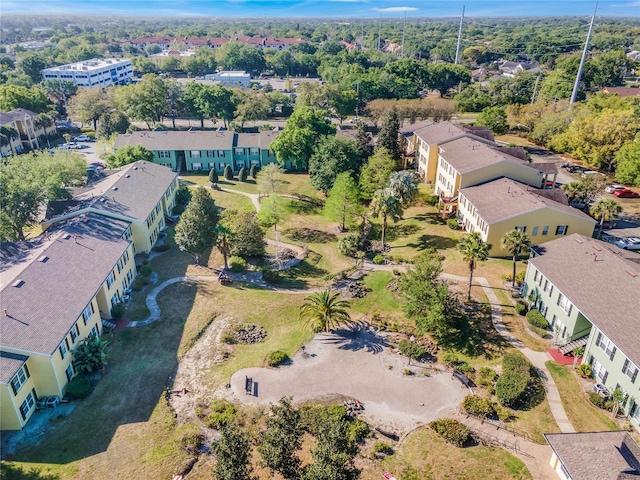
x: 613, y: 188
x: 549, y: 184
x: 98, y: 164
x: 574, y: 168
x: 629, y: 243
x: 588, y: 173
x: 626, y: 193
x: 605, y: 237
x: 83, y: 138
x: 601, y: 390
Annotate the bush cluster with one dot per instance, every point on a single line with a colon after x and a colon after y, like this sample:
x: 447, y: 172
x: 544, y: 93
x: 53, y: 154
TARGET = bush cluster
x: 161, y: 248
x: 521, y: 308
x: 452, y: 223
x: 222, y: 413
x: 270, y: 276
x: 456, y: 363
x: 514, y: 380
x: 378, y: 259
x: 145, y: 270
x: 600, y: 402
x: 584, y: 369
x: 453, y: 431
x: 479, y: 406
x: 118, y: 310
x: 486, y: 378
x: 535, y: 318
x: 237, y: 264
x: 277, y: 358
x: 382, y: 447
x: 79, y: 387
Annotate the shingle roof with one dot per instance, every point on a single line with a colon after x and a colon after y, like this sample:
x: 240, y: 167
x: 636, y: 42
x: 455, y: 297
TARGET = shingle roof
x: 267, y: 137
x: 17, y: 114
x: 55, y: 291
x: 9, y: 365
x: 137, y: 190
x: 193, y: 140
x: 441, y: 132
x: 600, y: 281
x: 504, y: 198
x: 597, y: 455
x: 413, y: 127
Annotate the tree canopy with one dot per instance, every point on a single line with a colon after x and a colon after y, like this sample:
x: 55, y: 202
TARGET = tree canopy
x: 195, y: 232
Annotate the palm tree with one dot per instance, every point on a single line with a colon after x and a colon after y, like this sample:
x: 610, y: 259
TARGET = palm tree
x: 324, y: 311
x: 573, y: 190
x: 404, y: 185
x: 474, y: 250
x: 577, y: 353
x: 386, y: 205
x: 605, y: 209
x: 223, y: 235
x: 515, y: 243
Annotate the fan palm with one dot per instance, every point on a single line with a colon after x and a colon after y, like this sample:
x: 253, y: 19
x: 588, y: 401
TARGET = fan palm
x: 605, y: 209
x: 515, y: 243
x: 386, y: 204
x: 324, y: 311
x: 474, y: 250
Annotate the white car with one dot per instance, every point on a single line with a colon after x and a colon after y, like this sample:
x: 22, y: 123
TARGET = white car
x: 82, y: 138
x: 614, y: 187
x: 629, y: 243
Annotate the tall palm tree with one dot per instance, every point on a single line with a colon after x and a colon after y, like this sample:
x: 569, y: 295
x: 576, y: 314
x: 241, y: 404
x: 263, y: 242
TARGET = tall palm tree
x: 387, y: 205
x: 474, y: 250
x: 573, y: 190
x: 223, y: 235
x: 324, y: 311
x: 515, y: 243
x: 404, y: 185
x: 605, y: 209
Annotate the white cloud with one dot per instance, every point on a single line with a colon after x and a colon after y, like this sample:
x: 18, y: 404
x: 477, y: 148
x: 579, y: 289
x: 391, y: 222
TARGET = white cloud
x: 396, y: 9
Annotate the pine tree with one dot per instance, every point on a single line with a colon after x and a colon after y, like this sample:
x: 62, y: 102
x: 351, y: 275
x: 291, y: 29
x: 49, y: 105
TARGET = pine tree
x: 343, y: 202
x: 196, y: 230
x: 388, y: 136
x: 228, y: 173
x: 213, y: 176
x: 363, y: 139
x: 253, y: 171
x: 242, y: 175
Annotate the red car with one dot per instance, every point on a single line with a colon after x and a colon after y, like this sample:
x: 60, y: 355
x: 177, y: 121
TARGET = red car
x: 626, y: 193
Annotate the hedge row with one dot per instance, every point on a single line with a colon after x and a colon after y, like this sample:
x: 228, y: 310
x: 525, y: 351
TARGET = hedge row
x: 453, y: 431
x: 535, y: 318
x: 514, y: 380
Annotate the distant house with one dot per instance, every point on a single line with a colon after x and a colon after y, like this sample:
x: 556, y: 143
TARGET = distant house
x: 206, y: 150
x: 51, y: 301
x: 511, y: 69
x: 166, y: 43
x: 611, y: 455
x: 24, y: 133
x: 623, y: 91
x: 499, y: 206
x: 589, y: 292
x: 231, y: 78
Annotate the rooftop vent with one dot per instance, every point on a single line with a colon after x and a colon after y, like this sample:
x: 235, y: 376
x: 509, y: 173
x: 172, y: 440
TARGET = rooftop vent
x: 103, y: 199
x: 579, y: 240
x: 43, y: 259
x: 135, y: 168
x: 114, y: 188
x: 596, y: 247
x: 632, y: 273
x: 67, y: 236
x: 18, y: 283
x: 127, y: 176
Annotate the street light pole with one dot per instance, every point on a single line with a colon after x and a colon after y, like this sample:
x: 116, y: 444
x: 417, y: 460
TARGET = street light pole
x: 574, y: 94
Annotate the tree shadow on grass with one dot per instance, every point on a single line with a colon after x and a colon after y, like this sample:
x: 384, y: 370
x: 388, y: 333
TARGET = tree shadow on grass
x: 431, y: 218
x: 393, y: 232
x: 295, y: 277
x: 298, y: 207
x: 357, y: 338
x: 426, y: 242
x: 309, y: 235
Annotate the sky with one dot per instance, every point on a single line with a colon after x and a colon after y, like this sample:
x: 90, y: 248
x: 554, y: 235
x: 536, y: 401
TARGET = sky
x: 326, y: 8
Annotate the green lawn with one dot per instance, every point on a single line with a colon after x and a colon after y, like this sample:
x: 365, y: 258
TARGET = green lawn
x: 584, y: 416
x: 424, y: 455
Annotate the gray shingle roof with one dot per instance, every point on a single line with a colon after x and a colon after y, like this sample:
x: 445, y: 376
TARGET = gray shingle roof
x: 441, y: 132
x: 504, y: 198
x: 56, y: 291
x: 17, y: 114
x: 600, y: 281
x: 137, y: 190
x: 193, y: 140
x: 9, y: 365
x: 597, y: 455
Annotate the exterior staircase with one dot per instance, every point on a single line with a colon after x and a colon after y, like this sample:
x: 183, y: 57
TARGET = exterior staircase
x: 572, y: 345
x: 108, y: 324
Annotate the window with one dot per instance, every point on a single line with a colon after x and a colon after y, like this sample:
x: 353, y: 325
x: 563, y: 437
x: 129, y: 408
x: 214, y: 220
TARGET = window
x: 630, y: 370
x: 238, y: 151
x: 127, y: 233
x: 94, y: 331
x: 558, y: 326
x: 110, y: 279
x: 521, y: 229
x: 565, y: 304
x: 88, y: 311
x: 19, y: 379
x: 534, y: 231
x: 211, y: 153
x: 28, y: 404
x: 599, y: 371
x: 74, y: 333
x: 548, y: 287
x: 537, y: 276
x: 195, y: 153
x: 69, y: 373
x: 114, y: 299
x: 164, y: 154
x: 63, y: 350
x: 254, y: 151
x: 562, y: 229
x: 545, y: 230
x: 606, y: 345
x: 221, y: 154
x: 196, y: 166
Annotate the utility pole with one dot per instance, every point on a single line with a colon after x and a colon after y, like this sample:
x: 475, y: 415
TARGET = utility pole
x: 535, y: 90
x: 459, y: 37
x: 404, y: 26
x: 574, y: 94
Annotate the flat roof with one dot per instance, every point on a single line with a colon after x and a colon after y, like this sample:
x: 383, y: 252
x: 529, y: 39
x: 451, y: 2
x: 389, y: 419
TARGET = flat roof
x: 601, y: 281
x: 88, y: 65
x: 597, y: 455
x: 501, y: 199
x: 44, y: 299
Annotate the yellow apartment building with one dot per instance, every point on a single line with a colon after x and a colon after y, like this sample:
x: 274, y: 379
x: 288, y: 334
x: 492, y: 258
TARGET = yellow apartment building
x: 499, y: 206
x: 54, y: 295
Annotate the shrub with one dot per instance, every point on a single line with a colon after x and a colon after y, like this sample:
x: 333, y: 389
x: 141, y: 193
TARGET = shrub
x: 520, y: 277
x: 382, y: 447
x: 145, y: 270
x: 213, y: 176
x: 510, y: 387
x: 521, y: 308
x: 161, y: 248
x: 253, y: 171
x: 222, y: 413
x: 597, y: 400
x: 535, y: 318
x: 378, y: 259
x: 178, y: 209
x: 277, y: 358
x: 228, y: 173
x: 584, y: 370
x: 349, y: 245
x: 183, y: 196
x: 432, y: 200
x: 453, y: 431
x: 358, y: 430
x: 467, y: 369
x: 79, y: 387
x: 270, y: 276
x: 118, y: 310
x: 479, y: 406
x: 242, y: 174
x: 237, y: 264
x: 452, y: 223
